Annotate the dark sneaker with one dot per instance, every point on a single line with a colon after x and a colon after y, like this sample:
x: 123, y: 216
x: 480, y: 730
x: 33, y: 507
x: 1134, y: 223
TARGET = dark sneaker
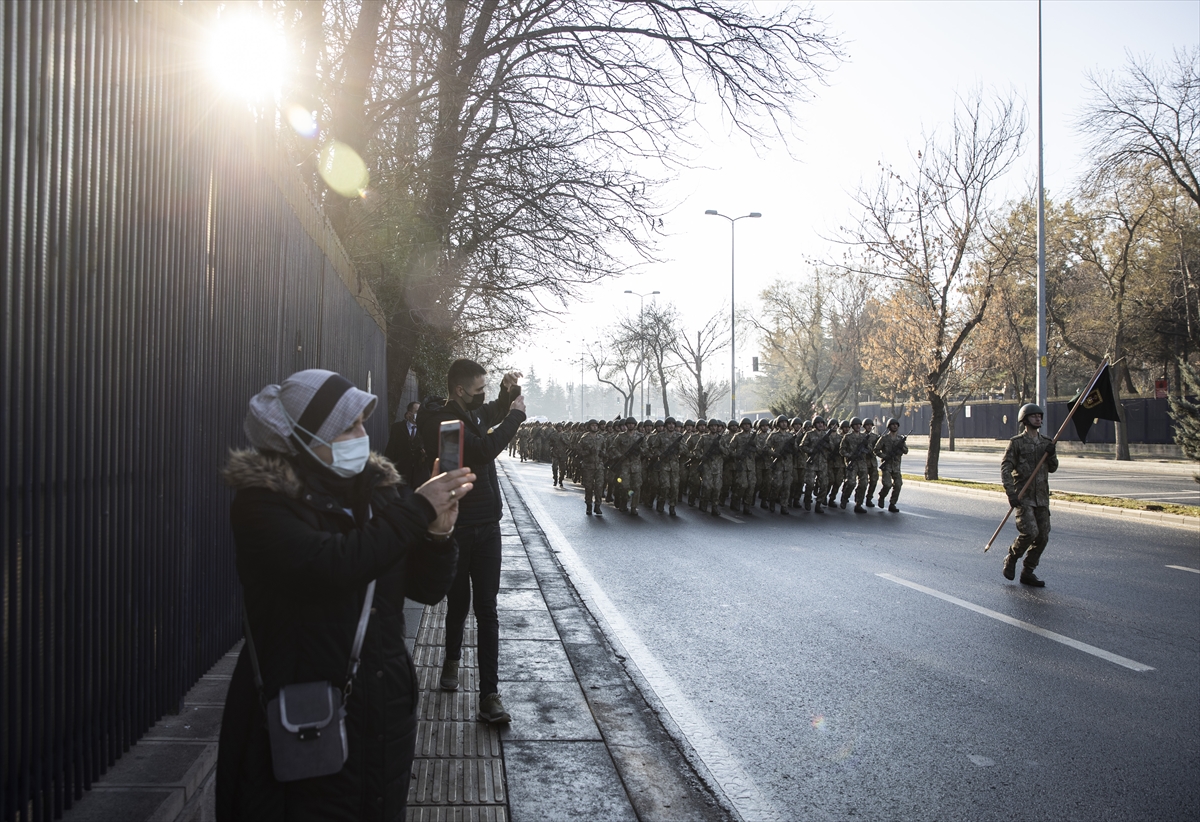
x: 1030, y: 579
x: 450, y: 675
x: 1010, y: 567
x: 491, y: 709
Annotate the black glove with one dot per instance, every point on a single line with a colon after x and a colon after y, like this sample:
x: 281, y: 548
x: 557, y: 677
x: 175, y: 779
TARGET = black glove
x: 1051, y: 447
x: 1013, y: 501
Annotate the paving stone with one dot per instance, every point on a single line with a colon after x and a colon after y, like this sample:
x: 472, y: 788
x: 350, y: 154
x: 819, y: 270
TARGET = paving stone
x: 518, y: 579
x: 534, y: 659
x: 457, y: 813
x: 514, y: 562
x: 448, y: 740
x: 457, y: 782
x: 527, y: 625
x: 547, y: 710
x: 520, y: 599
x: 170, y: 764
x: 565, y: 780
x: 208, y: 691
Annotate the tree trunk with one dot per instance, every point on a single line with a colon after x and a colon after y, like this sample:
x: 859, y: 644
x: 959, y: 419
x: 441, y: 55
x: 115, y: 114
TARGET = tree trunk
x: 937, y: 414
x: 950, y: 426
x: 1122, y: 427
x: 402, y: 338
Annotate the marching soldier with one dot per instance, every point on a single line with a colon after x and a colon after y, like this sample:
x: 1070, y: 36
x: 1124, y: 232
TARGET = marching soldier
x: 625, y: 453
x: 815, y: 447
x: 763, y: 462
x: 853, y: 449
x: 558, y: 457
x: 836, y: 465
x: 797, y: 489
x: 1021, y: 460
x: 781, y: 444
x: 666, y: 450
x: 890, y: 449
x: 731, y: 431
x: 591, y: 465
x: 744, y: 455
x: 872, y: 461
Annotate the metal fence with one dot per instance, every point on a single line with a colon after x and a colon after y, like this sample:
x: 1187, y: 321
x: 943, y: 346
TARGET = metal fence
x: 1147, y: 420
x: 160, y: 265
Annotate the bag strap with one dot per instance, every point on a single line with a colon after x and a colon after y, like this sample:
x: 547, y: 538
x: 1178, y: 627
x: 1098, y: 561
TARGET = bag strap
x: 360, y: 634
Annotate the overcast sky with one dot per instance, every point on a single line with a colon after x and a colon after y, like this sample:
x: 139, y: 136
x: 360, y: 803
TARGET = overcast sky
x: 906, y: 63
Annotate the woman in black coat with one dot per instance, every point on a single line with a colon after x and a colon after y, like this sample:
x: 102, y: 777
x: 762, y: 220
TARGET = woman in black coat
x: 317, y: 517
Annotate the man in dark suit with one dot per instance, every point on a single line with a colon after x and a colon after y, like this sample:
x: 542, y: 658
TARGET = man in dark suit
x: 404, y: 447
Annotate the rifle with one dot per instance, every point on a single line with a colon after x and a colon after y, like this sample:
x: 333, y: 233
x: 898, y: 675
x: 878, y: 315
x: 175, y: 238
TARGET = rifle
x: 671, y: 449
x: 633, y: 449
x: 712, y: 449
x: 816, y: 443
x: 788, y: 450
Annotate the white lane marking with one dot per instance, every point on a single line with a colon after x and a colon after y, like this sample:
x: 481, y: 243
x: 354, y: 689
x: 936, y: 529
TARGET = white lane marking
x: 908, y: 513
x: 732, y: 778
x: 1185, y: 568
x: 1065, y: 640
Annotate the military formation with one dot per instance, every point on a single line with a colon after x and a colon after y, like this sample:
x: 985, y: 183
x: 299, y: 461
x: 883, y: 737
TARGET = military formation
x: 783, y: 465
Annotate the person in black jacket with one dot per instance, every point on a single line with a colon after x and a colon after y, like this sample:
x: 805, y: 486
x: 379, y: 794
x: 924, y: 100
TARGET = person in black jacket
x: 316, y: 517
x: 404, y: 447
x: 487, y: 430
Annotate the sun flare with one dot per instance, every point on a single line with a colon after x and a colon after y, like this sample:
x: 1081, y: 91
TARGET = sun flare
x: 247, y: 56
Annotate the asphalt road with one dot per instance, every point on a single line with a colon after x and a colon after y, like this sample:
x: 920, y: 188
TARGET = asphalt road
x: 1152, y: 481
x: 815, y: 687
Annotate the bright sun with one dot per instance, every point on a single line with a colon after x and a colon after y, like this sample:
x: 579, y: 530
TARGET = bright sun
x: 247, y: 56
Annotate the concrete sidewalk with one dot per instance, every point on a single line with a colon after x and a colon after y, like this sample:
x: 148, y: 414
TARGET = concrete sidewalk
x: 583, y: 743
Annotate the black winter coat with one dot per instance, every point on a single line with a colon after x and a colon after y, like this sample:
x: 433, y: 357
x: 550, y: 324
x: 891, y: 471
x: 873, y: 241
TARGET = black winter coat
x: 486, y: 433
x: 304, y: 563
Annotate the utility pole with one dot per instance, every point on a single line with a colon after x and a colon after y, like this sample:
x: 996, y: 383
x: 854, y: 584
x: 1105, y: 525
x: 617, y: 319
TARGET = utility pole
x: 732, y: 307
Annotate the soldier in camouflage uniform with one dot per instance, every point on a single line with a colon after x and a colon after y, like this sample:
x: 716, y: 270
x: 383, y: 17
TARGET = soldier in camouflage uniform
x: 1033, y: 508
x: 610, y: 470
x: 816, y: 449
x: 650, y: 474
x: 692, y: 466
x: 853, y: 449
x: 872, y: 461
x: 665, y: 447
x: 731, y: 431
x: 706, y: 452
x: 890, y: 449
x: 763, y: 463
x: 797, y: 489
x: 625, y: 450
x: 835, y: 465
x: 554, y: 443
x: 743, y: 452
x: 781, y: 445
x: 591, y: 450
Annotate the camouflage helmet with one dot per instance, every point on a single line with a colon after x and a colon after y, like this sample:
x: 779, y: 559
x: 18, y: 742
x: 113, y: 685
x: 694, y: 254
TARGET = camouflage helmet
x: 845, y: 424
x: 855, y: 421
x: 893, y: 421
x: 630, y: 421
x: 1027, y: 409
x: 868, y: 423
x: 797, y: 421
x: 593, y: 422
x: 689, y: 423
x: 670, y: 421
x: 731, y: 425
x: 745, y: 421
x: 818, y: 420
x: 764, y: 423
x: 807, y: 426
x: 781, y: 420
x: 715, y: 423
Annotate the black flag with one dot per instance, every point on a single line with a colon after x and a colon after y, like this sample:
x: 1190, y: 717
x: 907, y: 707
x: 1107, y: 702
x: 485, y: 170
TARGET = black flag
x: 1098, y: 405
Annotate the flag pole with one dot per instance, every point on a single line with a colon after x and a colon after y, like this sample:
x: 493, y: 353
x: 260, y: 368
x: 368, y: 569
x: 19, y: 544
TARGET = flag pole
x: 1082, y: 396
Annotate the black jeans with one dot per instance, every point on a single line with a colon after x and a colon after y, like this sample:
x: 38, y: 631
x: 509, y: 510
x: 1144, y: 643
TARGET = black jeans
x: 478, y: 575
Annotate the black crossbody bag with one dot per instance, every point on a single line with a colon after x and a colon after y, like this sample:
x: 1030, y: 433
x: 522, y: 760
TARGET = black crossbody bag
x: 306, y: 722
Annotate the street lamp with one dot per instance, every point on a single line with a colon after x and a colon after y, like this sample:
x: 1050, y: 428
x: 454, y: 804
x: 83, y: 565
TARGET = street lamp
x: 732, y: 310
x: 642, y: 326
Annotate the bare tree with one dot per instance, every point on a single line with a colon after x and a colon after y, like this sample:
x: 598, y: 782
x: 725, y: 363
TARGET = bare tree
x: 615, y: 368
x: 923, y: 235
x: 503, y: 138
x: 695, y: 353
x: 1149, y: 114
x: 654, y: 334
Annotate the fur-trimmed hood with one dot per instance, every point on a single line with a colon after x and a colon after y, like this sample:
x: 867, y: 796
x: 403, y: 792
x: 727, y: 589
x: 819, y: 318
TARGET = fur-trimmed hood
x: 248, y: 468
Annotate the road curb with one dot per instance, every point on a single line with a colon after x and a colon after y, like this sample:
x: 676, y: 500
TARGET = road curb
x: 1158, y: 517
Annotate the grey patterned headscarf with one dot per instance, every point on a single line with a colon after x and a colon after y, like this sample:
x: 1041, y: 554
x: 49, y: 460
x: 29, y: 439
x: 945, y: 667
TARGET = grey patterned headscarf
x: 309, y: 402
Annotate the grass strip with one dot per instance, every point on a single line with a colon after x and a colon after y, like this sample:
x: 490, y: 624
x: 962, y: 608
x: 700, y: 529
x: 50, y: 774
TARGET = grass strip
x: 1090, y: 499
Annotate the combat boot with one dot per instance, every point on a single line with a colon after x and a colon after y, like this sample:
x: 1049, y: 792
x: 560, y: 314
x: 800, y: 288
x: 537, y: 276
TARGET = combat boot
x: 598, y: 510
x: 858, y: 508
x: 870, y: 502
x: 892, y: 507
x: 818, y: 509
x: 881, y: 496
x: 661, y: 506
x: 589, y: 510
x: 633, y: 512
x: 783, y: 510
x: 762, y: 503
x: 1010, y: 567
x: 745, y: 509
x: 808, y: 504
x: 771, y: 507
x: 844, y: 501
x: 716, y: 511
x: 1030, y: 579
x: 673, y: 511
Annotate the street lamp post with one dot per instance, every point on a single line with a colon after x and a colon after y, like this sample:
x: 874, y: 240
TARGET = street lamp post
x: 732, y: 308
x: 642, y: 327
